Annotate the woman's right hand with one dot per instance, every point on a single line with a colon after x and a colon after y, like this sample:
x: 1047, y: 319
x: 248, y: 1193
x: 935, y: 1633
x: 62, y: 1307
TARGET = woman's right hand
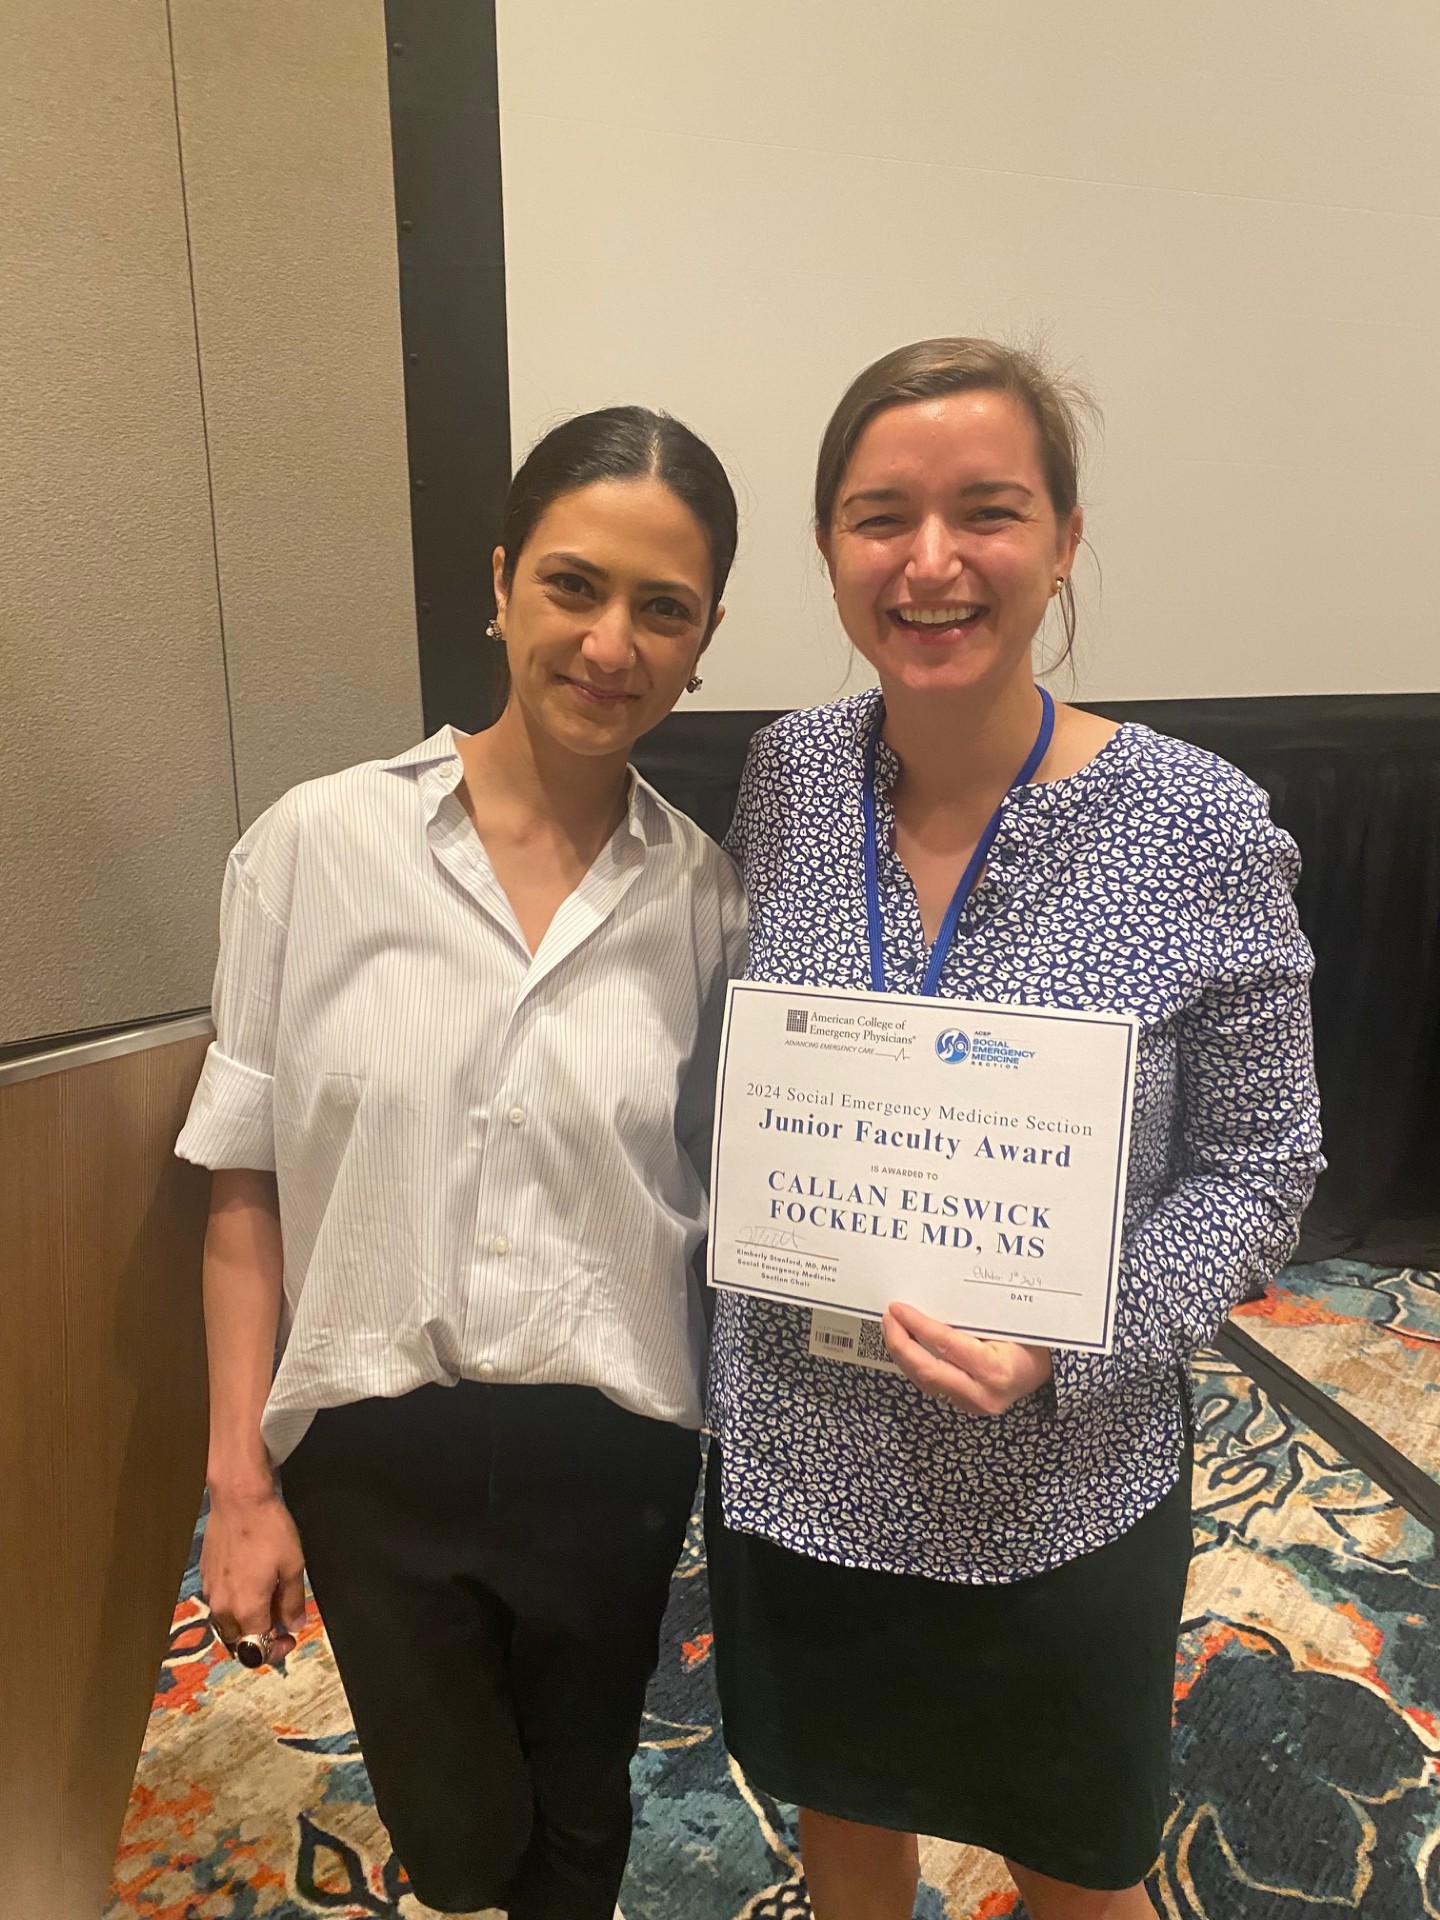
x: 252, y: 1568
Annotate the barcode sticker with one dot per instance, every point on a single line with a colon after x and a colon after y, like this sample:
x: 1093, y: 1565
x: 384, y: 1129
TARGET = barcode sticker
x: 854, y: 1338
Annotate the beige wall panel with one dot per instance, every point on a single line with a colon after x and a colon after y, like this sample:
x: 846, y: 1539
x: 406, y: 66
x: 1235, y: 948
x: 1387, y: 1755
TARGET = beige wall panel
x: 1292, y: 101
x: 116, y: 796
x: 102, y: 1451
x: 1226, y: 219
x: 284, y: 116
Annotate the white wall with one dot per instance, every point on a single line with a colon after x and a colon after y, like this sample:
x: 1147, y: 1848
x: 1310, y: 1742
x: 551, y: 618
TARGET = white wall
x: 1227, y: 217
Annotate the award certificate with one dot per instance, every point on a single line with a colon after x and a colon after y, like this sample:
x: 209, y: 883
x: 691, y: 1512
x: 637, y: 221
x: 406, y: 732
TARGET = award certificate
x: 967, y: 1159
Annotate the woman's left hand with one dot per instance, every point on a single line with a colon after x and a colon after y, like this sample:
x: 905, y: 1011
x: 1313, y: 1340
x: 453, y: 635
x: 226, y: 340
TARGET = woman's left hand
x: 977, y: 1376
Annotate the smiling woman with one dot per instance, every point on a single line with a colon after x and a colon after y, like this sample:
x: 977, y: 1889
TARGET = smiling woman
x: 688, y: 495
x: 590, y: 613
x: 1009, y: 1523
x: 616, y: 544
x: 1001, y: 387
x: 510, y: 955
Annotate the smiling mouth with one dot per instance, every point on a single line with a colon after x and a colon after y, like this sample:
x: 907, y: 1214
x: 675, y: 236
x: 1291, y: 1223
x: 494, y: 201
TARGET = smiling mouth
x: 597, y: 696
x: 938, y: 623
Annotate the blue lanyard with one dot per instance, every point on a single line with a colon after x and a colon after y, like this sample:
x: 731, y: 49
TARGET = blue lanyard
x: 946, y: 936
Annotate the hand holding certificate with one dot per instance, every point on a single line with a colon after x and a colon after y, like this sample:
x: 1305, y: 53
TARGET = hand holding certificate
x: 974, y: 1374
x: 968, y: 1160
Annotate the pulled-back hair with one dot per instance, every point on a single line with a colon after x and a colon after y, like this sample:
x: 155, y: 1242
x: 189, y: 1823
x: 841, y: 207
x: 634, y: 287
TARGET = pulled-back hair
x: 928, y: 369
x: 624, y: 443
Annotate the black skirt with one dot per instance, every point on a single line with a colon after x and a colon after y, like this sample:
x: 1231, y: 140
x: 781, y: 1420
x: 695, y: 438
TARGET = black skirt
x: 1032, y: 1719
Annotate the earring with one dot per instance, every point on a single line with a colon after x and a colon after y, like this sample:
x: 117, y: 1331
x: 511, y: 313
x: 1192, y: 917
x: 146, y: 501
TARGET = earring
x: 1059, y: 583
x: 492, y: 631
x: 694, y: 683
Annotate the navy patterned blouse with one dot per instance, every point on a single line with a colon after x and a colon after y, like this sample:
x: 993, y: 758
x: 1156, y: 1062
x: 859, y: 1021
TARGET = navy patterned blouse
x: 1153, y: 882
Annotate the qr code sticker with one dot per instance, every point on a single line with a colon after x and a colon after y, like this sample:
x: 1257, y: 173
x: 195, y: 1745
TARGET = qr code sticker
x: 872, y: 1348
x: 853, y: 1338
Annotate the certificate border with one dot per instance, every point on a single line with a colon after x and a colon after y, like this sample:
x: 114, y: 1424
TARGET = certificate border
x: 1005, y: 1009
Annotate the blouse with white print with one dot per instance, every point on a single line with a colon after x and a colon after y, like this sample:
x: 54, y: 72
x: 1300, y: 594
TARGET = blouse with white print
x: 1150, y: 882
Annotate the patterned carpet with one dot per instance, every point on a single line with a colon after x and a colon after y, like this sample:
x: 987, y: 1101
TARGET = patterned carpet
x: 1307, y: 1769
x: 1370, y: 1338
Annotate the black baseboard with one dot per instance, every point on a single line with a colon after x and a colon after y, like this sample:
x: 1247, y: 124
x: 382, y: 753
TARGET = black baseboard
x: 1391, y: 726
x: 1242, y: 728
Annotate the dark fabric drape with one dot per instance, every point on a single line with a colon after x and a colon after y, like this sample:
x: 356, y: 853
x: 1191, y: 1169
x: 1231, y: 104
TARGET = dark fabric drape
x: 1356, y: 780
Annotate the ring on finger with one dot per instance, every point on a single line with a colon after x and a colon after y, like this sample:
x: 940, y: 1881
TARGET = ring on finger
x: 226, y: 1639
x: 253, y: 1649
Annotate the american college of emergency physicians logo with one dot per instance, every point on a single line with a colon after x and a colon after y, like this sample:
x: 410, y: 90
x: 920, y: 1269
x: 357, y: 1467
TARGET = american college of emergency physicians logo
x: 953, y: 1046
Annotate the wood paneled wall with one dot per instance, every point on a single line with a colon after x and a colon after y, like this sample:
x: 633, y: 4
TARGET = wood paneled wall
x: 102, y: 1451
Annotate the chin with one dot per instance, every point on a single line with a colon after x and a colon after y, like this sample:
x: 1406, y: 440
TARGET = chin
x: 962, y: 669
x: 595, y: 733
x: 595, y: 736
x: 938, y: 676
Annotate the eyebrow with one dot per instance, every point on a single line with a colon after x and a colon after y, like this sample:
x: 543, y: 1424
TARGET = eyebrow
x: 578, y: 564
x: 976, y: 489
x: 872, y: 496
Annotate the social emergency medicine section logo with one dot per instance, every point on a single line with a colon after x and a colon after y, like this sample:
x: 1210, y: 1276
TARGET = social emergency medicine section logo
x: 983, y: 1050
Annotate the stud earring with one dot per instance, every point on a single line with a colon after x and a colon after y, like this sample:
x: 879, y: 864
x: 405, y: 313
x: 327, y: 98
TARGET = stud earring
x: 492, y: 631
x: 1060, y: 582
x: 694, y: 683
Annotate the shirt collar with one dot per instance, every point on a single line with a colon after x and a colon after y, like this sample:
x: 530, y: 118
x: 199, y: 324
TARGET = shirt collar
x: 435, y: 766
x: 646, y: 816
x: 440, y: 746
x: 864, y: 718
x: 438, y: 770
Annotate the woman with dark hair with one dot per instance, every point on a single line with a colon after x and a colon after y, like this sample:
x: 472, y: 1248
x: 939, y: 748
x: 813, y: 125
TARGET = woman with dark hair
x: 947, y: 1589
x: 457, y: 1108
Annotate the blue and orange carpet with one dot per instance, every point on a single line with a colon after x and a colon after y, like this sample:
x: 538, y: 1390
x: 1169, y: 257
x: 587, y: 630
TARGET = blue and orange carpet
x: 1307, y: 1732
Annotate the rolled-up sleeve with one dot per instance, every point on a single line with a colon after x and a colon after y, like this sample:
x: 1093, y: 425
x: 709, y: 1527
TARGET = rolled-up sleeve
x: 230, y: 1123
x: 1249, y: 1132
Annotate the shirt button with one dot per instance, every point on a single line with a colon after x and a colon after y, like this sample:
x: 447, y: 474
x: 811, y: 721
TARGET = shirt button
x: 517, y: 1116
x: 486, y: 1370
x: 499, y: 1244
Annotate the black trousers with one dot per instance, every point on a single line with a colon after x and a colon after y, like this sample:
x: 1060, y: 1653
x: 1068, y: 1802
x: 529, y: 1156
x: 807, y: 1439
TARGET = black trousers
x: 492, y: 1564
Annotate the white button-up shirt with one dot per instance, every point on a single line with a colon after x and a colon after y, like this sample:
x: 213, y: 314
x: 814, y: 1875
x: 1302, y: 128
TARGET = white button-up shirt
x: 491, y: 1164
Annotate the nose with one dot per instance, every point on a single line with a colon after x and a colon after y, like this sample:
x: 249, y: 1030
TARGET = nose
x: 609, y: 646
x: 935, y: 557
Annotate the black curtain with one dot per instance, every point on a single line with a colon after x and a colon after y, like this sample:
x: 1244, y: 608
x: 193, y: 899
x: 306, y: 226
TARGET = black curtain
x: 1356, y: 780
x: 450, y: 247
